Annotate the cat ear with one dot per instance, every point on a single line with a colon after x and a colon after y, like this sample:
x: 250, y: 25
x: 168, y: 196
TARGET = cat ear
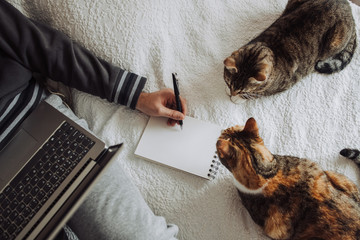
x: 251, y: 127
x: 230, y: 65
x: 260, y: 77
x: 263, y: 72
x: 223, y: 148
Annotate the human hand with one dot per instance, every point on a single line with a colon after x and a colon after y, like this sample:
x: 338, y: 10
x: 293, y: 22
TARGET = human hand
x: 162, y: 104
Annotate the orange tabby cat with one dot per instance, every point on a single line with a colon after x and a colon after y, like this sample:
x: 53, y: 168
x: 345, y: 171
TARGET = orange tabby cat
x: 289, y: 197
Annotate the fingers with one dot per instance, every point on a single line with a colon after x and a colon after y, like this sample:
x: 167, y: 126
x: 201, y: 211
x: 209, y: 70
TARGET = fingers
x: 162, y: 103
x: 173, y: 114
x: 171, y: 101
x: 174, y: 117
x: 171, y: 122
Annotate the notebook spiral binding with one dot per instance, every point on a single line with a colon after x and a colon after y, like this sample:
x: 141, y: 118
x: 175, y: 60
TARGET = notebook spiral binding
x: 214, y: 167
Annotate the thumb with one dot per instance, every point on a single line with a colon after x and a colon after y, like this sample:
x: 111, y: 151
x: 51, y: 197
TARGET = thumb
x: 173, y: 114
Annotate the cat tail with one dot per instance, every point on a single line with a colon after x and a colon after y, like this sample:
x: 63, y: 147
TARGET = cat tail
x: 352, y: 154
x: 340, y: 60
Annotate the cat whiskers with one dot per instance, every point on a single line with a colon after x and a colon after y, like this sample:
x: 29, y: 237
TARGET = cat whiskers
x: 250, y: 96
x: 237, y: 99
x: 227, y: 91
x: 242, y: 97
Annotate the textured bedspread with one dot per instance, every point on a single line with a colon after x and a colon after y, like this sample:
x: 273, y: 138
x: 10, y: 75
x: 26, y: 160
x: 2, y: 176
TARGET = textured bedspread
x: 316, y: 118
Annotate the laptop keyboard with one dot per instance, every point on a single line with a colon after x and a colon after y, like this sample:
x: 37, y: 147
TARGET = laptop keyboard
x: 25, y: 195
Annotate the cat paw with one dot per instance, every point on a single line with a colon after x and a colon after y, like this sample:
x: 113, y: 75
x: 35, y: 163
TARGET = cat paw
x: 353, y: 154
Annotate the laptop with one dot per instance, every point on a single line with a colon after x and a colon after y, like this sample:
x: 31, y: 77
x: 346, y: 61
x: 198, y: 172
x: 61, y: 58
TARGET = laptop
x: 46, y: 170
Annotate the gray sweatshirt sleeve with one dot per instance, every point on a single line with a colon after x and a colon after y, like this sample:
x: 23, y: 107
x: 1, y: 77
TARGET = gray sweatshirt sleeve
x: 42, y: 49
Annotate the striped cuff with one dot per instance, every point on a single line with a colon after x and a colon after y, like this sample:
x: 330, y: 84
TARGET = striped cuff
x: 17, y: 109
x: 128, y: 88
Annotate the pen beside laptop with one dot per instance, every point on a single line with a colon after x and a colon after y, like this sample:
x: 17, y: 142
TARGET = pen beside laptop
x: 177, y: 97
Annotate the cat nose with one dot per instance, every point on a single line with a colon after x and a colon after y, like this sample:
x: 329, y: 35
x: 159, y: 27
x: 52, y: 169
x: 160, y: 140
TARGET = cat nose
x: 233, y: 93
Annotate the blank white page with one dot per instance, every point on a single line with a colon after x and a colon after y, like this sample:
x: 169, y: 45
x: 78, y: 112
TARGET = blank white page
x: 191, y: 149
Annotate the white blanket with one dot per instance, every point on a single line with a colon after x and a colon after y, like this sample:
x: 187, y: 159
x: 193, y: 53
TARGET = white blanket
x: 315, y: 119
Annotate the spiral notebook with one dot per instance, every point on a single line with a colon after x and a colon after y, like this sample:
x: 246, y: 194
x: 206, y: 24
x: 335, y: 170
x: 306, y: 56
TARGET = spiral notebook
x: 192, y: 149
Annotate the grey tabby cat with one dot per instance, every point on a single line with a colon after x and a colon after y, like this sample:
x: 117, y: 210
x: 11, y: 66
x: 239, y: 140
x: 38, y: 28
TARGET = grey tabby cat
x: 309, y: 35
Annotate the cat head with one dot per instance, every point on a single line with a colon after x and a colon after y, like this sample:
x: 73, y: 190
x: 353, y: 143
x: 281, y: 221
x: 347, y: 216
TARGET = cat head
x: 241, y: 150
x: 248, y: 70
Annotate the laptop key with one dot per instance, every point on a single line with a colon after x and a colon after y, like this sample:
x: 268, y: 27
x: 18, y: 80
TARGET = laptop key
x: 34, y: 180
x: 60, y: 151
x: 70, y: 130
x: 7, y: 190
x: 26, y: 212
x: 80, y: 149
x: 65, y: 126
x: 20, y: 196
x: 41, y: 173
x: 48, y: 175
x: 51, y: 150
x: 5, y: 224
x: 74, y: 145
x: 13, y: 215
x: 20, y: 207
x: 41, y: 196
x: 4, y: 236
x: 46, y: 146
x: 5, y: 203
x: 33, y: 172
x: 54, y: 179
x: 59, y: 143
x: 19, y: 187
x: 73, y: 157
x: 33, y: 203
x: 55, y: 167
x: 31, y: 214
x: 35, y: 191
x: 64, y: 136
x: 52, y: 140
x: 74, y: 135
x: 14, y: 204
x: 41, y: 183
x: 18, y: 221
x: 27, y: 199
x: 60, y: 171
x: 12, y: 195
x: 27, y: 188
x: 26, y: 179
x: 47, y: 187
x: 80, y: 138
x: 11, y: 229
x: 39, y: 164
x: 47, y: 165
x: 6, y: 212
x: 45, y: 157
x: 18, y: 228
x: 67, y: 164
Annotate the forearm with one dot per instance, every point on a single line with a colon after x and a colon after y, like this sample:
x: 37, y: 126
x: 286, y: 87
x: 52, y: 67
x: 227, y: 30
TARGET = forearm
x: 42, y: 49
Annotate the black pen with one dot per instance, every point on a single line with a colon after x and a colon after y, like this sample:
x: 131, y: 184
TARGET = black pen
x: 177, y: 97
